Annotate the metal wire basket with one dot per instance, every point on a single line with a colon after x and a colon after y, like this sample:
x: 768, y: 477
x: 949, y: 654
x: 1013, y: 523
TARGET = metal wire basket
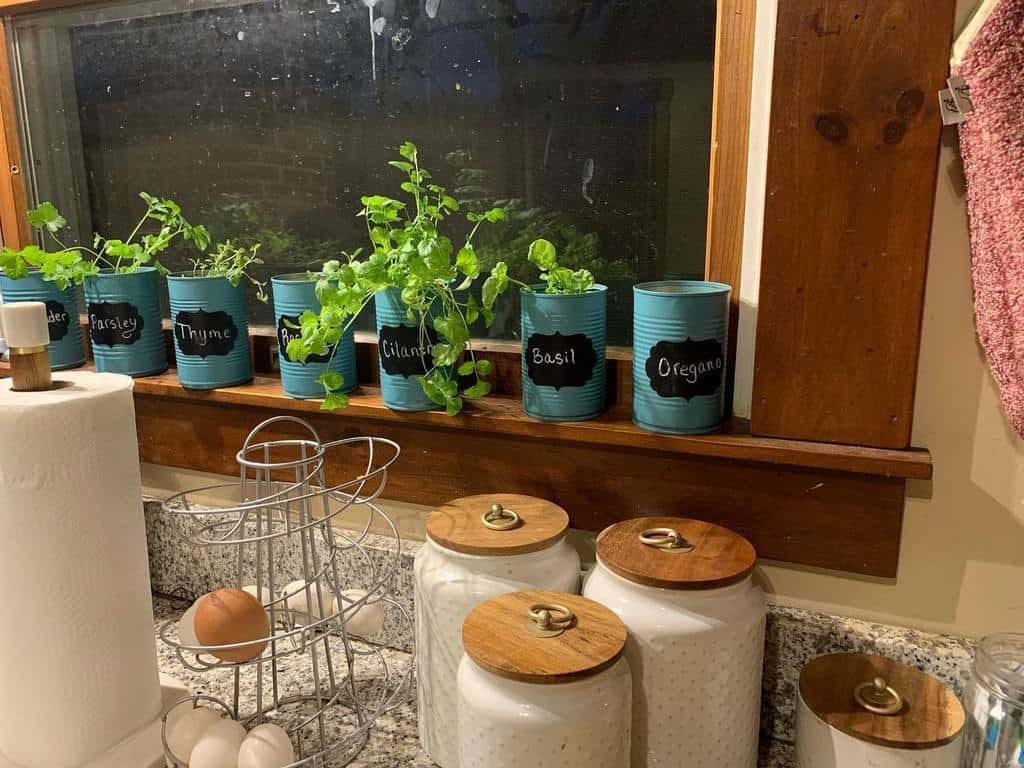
x: 285, y: 502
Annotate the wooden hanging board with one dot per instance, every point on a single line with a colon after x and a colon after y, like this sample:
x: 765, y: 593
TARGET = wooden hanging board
x: 719, y: 556
x: 500, y: 637
x: 457, y: 525
x: 930, y: 717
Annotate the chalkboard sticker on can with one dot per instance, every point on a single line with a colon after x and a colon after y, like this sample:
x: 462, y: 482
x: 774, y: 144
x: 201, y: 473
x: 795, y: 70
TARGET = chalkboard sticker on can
x: 687, y: 368
x: 287, y: 330
x: 405, y: 350
x: 554, y: 360
x: 205, y: 333
x: 58, y: 319
x: 115, y: 323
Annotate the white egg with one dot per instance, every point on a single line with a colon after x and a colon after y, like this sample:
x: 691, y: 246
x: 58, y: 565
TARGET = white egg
x: 367, y: 620
x: 218, y: 746
x: 187, y: 626
x: 295, y: 600
x: 187, y: 729
x: 266, y: 746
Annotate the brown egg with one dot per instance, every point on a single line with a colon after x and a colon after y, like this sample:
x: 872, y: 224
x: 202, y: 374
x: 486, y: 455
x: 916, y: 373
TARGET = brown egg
x: 230, y: 616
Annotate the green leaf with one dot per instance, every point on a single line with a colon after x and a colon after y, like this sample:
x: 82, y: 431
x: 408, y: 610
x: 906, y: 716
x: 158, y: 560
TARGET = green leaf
x: 543, y: 254
x: 333, y: 401
x: 466, y: 261
x: 408, y: 151
x: 453, y: 406
x: 432, y: 389
x: 480, y: 389
x: 46, y: 215
x: 400, y: 165
x: 484, y: 367
x: 332, y: 380
x: 467, y: 368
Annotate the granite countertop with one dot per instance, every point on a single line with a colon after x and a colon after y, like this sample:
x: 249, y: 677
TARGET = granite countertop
x: 393, y: 741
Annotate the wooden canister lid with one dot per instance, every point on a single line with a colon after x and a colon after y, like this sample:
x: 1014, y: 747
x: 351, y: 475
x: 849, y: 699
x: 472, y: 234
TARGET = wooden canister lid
x: 459, y: 525
x: 839, y: 689
x: 505, y: 637
x: 706, y: 556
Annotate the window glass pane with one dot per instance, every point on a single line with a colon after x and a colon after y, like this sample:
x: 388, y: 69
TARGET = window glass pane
x: 589, y: 121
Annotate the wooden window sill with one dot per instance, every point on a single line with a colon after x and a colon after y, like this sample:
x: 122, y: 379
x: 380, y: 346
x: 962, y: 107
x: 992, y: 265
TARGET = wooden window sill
x: 504, y: 415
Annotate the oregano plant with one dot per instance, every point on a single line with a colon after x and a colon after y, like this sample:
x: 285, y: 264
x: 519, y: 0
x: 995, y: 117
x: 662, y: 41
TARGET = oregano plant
x: 410, y: 252
x: 232, y: 262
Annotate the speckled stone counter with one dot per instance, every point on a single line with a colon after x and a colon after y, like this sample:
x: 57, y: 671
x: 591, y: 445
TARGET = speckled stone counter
x: 393, y: 742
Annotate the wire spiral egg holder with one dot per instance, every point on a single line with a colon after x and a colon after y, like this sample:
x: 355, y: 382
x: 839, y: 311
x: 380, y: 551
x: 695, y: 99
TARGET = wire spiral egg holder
x: 285, y: 502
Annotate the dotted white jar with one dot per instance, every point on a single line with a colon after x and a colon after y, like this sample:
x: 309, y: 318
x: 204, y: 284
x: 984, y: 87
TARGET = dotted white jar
x: 696, y: 653
x: 450, y: 583
x: 512, y: 723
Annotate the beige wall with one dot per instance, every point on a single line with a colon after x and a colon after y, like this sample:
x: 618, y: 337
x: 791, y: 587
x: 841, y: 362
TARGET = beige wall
x: 962, y: 559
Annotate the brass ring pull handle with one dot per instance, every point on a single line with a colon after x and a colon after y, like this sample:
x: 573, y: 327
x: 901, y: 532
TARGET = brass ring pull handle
x: 550, y: 619
x: 497, y: 518
x: 879, y: 697
x: 667, y: 539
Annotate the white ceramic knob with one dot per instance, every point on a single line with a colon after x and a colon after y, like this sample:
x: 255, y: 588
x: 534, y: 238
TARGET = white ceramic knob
x: 25, y: 324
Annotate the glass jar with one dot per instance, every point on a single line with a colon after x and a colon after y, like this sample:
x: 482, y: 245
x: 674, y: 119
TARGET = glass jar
x: 994, y: 700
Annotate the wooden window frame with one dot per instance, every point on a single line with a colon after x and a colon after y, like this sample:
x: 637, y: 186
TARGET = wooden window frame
x: 822, y: 500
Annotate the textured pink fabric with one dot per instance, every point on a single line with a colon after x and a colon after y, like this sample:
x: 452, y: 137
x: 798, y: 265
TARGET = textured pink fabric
x: 992, y: 145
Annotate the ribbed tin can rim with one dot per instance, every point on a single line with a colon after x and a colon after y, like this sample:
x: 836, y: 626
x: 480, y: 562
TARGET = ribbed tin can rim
x: 537, y: 289
x: 293, y: 277
x: 183, y: 277
x: 108, y: 272
x: 681, y: 288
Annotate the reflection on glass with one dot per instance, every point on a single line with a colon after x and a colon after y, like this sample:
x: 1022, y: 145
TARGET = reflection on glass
x: 588, y: 121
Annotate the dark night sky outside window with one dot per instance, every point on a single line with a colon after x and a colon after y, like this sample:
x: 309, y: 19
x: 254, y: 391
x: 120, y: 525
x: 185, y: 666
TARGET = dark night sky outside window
x: 590, y: 121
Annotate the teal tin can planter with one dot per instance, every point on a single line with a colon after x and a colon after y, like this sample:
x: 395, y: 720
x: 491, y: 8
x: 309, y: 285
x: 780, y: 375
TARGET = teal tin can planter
x: 403, y: 354
x: 563, y: 339
x: 66, y: 348
x: 293, y: 295
x: 125, y: 322
x: 211, y: 331
x: 680, y: 333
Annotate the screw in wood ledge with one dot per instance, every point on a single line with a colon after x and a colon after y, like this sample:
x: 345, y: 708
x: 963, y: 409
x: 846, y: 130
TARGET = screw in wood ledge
x: 27, y: 334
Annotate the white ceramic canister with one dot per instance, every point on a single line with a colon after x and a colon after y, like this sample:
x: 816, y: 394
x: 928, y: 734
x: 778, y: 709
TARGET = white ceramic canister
x: 477, y: 547
x: 856, y: 710
x: 544, y: 684
x: 696, y: 638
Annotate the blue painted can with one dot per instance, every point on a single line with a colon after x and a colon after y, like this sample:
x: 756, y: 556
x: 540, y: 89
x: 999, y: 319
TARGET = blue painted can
x: 211, y: 331
x: 680, y: 334
x: 293, y: 295
x: 403, y: 354
x: 563, y: 339
x: 62, y: 309
x: 125, y: 322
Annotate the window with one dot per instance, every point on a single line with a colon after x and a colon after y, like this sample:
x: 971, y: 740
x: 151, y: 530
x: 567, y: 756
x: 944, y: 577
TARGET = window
x: 589, y: 121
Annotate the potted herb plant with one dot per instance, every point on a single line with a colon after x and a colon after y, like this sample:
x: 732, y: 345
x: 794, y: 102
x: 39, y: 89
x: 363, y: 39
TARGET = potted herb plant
x: 210, y: 317
x: 423, y: 303
x: 563, y: 335
x: 52, y: 277
x: 294, y: 296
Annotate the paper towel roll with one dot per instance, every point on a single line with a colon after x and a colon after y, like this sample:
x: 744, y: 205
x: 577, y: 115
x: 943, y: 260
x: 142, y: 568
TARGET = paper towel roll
x: 78, y: 669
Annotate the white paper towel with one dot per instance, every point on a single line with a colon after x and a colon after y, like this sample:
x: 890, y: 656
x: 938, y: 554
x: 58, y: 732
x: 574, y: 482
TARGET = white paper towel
x: 78, y: 669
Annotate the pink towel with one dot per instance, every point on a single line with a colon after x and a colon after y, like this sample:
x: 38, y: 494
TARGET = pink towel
x: 992, y: 144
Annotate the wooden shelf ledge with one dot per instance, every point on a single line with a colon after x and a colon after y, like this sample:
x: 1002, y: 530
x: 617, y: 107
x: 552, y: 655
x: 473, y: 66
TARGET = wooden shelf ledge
x: 504, y: 415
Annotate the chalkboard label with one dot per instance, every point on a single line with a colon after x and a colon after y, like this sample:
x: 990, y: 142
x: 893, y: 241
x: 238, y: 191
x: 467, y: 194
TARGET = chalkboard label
x: 687, y: 368
x: 57, y: 320
x: 114, y: 323
x: 401, y: 350
x: 288, y: 329
x: 560, y: 361
x: 205, y: 333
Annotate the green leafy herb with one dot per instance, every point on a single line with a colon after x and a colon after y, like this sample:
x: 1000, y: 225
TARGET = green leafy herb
x: 409, y: 251
x: 232, y: 262
x: 70, y: 265
x: 559, y: 279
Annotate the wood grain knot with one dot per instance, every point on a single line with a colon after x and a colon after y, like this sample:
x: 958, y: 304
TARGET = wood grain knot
x: 832, y: 126
x: 910, y: 102
x: 894, y: 131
